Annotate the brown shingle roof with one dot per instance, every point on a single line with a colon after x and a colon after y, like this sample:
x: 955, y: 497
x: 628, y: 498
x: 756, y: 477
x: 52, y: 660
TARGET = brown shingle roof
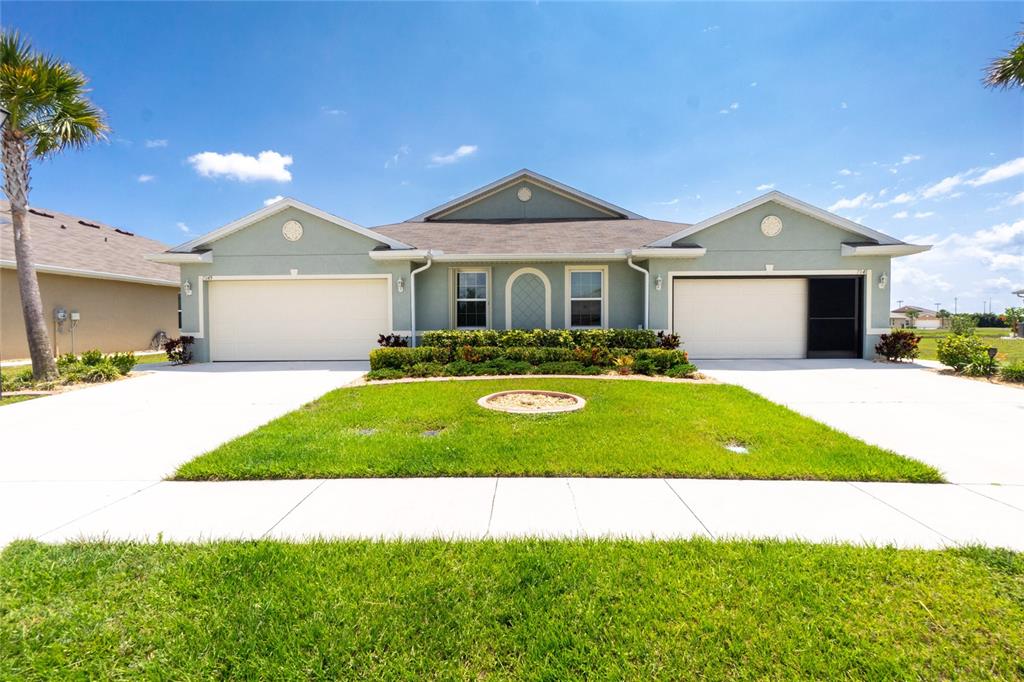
x: 67, y: 241
x: 552, y: 236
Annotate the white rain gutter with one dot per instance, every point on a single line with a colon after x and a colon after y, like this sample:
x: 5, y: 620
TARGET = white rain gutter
x: 412, y: 297
x: 647, y: 288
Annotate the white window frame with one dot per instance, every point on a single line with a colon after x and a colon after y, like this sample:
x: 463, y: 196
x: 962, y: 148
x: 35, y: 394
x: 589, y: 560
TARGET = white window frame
x: 569, y: 269
x: 453, y: 293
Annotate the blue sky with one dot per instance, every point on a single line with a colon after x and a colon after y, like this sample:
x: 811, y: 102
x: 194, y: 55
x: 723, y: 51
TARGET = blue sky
x: 376, y: 112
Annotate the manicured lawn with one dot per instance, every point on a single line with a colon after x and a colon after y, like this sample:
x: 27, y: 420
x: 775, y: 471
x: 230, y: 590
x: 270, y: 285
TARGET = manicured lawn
x: 1009, y: 350
x: 509, y: 610
x: 11, y: 399
x: 150, y: 359
x: 628, y: 428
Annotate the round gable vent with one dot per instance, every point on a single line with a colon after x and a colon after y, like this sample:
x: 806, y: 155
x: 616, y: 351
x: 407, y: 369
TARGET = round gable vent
x: 292, y: 230
x: 524, y: 194
x: 771, y: 226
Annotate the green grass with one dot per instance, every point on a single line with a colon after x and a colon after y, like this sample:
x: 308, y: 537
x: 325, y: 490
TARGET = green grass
x: 11, y: 399
x: 150, y: 359
x: 509, y: 610
x: 1009, y: 349
x: 628, y: 428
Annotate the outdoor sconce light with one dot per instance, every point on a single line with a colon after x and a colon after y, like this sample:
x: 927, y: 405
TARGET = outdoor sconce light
x: 187, y: 288
x: 657, y: 283
x: 401, y: 285
x: 883, y: 279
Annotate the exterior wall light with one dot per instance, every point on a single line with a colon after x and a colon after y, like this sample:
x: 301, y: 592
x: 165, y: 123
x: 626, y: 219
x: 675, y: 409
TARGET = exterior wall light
x: 657, y: 283
x: 883, y: 279
x: 187, y: 288
x: 401, y: 285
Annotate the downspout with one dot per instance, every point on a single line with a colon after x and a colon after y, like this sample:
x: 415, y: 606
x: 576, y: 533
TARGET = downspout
x: 412, y: 298
x: 647, y: 289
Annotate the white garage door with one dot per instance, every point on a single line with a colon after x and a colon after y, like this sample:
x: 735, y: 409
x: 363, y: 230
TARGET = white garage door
x: 741, y: 318
x: 928, y: 324
x: 300, y: 319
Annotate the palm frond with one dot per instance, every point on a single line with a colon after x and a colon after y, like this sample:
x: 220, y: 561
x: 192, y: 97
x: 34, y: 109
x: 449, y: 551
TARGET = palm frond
x: 1007, y: 71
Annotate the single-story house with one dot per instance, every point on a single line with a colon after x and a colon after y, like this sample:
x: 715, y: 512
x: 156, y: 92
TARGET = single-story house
x: 926, y: 319
x: 771, y: 278
x: 98, y: 289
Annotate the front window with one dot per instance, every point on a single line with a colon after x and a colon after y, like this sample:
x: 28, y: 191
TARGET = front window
x: 471, y: 299
x: 585, y: 298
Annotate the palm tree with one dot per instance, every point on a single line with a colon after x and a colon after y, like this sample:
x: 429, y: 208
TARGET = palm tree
x: 912, y: 317
x: 1007, y: 71
x: 48, y: 111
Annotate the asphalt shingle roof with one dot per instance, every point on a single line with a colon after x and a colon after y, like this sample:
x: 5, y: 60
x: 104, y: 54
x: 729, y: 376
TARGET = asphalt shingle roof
x: 68, y: 241
x: 551, y: 236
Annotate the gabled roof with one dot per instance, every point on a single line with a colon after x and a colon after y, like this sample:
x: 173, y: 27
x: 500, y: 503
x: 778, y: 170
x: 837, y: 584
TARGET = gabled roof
x: 612, y: 210
x: 65, y: 244
x: 277, y: 207
x: 789, y: 202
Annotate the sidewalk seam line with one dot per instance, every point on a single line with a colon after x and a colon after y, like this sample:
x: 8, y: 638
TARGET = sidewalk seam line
x: 897, y: 509
x: 494, y: 496
x: 98, y: 509
x: 575, y: 509
x: 693, y: 513
x: 981, y: 494
x: 294, y: 507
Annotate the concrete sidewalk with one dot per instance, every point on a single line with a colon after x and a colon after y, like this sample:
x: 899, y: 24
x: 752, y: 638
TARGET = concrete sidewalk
x: 901, y: 514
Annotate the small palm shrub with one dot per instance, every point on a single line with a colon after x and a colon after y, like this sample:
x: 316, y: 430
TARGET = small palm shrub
x: 1013, y: 372
x: 983, y: 366
x: 899, y: 344
x: 681, y: 371
x: 91, y: 358
x: 124, y: 362
x: 95, y: 374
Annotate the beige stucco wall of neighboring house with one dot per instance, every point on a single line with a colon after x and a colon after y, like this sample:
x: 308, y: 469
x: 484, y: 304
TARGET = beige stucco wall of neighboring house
x: 115, y: 316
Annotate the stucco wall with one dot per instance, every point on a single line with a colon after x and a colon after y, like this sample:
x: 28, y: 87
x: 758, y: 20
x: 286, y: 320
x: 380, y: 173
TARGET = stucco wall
x: 505, y: 205
x: 433, y: 295
x: 260, y: 249
x: 805, y: 244
x: 116, y: 316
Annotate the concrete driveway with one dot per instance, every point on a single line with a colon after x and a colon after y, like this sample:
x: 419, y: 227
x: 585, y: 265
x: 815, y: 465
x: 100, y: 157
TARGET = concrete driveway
x: 970, y: 430
x: 142, y: 428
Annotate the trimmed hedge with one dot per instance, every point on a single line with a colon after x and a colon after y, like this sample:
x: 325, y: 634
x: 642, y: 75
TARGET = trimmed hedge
x: 543, y: 338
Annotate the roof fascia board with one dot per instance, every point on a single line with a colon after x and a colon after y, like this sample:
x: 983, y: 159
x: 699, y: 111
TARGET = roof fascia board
x: 277, y: 207
x: 788, y: 202
x: 883, y: 249
x: 94, y: 274
x: 668, y: 252
x: 524, y: 174
x: 172, y: 258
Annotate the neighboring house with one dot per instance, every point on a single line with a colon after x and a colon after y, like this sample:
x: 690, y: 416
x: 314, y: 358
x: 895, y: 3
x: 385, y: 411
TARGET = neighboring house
x: 772, y: 278
x: 112, y: 298
x: 926, y: 319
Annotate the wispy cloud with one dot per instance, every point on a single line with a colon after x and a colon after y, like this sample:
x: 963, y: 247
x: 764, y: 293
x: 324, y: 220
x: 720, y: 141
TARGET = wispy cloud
x: 155, y: 144
x: 909, y: 158
x: 267, y: 165
x: 460, y: 153
x: 765, y: 186
x: 924, y: 214
x: 671, y: 202
x: 900, y: 215
x: 711, y: 29
x: 944, y: 186
x: 843, y: 105
x: 848, y: 172
x: 1003, y: 171
x: 184, y: 228
x: 272, y: 200
x: 753, y: 84
x: 1016, y: 200
x: 332, y: 111
x: 146, y: 178
x: 854, y: 202
x: 392, y: 162
x: 731, y: 108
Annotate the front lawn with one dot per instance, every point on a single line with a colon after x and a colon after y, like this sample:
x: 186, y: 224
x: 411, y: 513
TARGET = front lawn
x: 628, y: 428
x: 1009, y: 349
x: 509, y: 610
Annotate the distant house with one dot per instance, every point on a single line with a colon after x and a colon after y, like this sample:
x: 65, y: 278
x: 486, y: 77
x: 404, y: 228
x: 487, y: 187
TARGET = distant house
x: 93, y: 276
x: 926, y: 319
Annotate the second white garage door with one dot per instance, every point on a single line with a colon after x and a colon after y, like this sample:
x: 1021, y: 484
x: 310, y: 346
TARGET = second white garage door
x: 741, y: 318
x: 297, y: 319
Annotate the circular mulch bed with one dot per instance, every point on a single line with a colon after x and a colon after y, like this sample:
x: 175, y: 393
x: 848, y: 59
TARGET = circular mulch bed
x: 532, y: 402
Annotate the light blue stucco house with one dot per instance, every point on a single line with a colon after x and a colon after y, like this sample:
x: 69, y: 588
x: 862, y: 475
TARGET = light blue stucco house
x: 771, y: 278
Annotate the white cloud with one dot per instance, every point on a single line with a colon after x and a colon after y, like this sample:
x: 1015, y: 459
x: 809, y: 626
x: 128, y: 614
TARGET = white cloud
x: 1016, y: 200
x: 460, y: 153
x: 910, y: 158
x: 855, y: 202
x: 847, y: 171
x: 331, y: 111
x: 902, y: 198
x: 272, y: 200
x: 924, y: 214
x: 882, y: 192
x: 268, y: 165
x: 671, y: 202
x: 920, y: 279
x: 184, y: 228
x: 146, y: 178
x: 1003, y: 171
x: 393, y: 161
x: 900, y: 215
x: 710, y: 29
x: 754, y: 84
x: 843, y: 105
x: 765, y: 186
x: 155, y: 144
x: 944, y: 186
x: 731, y: 108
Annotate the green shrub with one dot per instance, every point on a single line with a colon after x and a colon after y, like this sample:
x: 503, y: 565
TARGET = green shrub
x: 425, y: 369
x: 983, y: 366
x: 543, y: 338
x: 18, y: 381
x: 1013, y: 372
x: 958, y: 351
x: 681, y: 371
x: 381, y: 374
x: 460, y: 368
x: 657, y: 360
x: 478, y: 353
x: 571, y: 367
x: 963, y: 324
x: 124, y: 362
x: 899, y: 344
x: 624, y: 364
x: 65, y: 361
x: 91, y: 358
x: 403, y: 358
x: 98, y: 373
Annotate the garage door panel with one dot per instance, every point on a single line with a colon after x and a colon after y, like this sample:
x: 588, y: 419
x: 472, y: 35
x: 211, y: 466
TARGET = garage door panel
x: 741, y: 318
x: 331, y: 319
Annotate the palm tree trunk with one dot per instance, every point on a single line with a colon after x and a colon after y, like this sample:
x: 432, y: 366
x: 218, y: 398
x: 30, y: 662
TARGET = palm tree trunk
x: 16, y: 185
